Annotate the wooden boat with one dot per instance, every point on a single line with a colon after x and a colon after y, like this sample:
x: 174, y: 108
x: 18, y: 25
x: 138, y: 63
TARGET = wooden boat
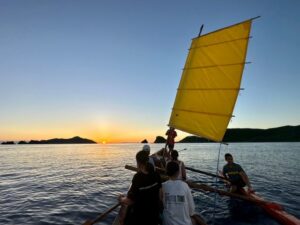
x: 198, y: 221
x: 275, y: 210
x: 116, y: 221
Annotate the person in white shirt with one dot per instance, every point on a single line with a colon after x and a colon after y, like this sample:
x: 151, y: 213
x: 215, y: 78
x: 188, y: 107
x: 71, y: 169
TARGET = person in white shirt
x: 178, y: 201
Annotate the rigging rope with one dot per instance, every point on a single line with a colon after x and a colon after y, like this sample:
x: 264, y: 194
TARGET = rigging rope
x: 216, y: 183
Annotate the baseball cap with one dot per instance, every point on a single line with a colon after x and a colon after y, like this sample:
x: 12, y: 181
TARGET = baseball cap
x: 146, y: 148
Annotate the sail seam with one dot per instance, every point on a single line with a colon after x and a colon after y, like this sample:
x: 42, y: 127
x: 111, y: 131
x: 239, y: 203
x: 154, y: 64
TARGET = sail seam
x: 207, y: 113
x: 191, y: 132
x: 209, y: 89
x: 211, y: 66
x: 222, y: 42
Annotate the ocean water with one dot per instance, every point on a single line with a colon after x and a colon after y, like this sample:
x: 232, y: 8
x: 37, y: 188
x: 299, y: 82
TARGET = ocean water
x: 67, y: 184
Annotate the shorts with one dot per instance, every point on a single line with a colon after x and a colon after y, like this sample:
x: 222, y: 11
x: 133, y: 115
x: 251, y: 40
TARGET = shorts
x: 171, y: 146
x: 239, y: 183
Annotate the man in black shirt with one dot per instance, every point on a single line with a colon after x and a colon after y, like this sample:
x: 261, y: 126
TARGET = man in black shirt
x: 143, y: 195
x: 235, y: 174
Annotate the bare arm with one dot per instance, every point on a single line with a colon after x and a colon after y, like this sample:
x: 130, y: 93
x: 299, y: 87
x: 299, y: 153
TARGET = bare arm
x: 124, y: 200
x: 183, y: 171
x: 196, y: 219
x: 161, y: 194
x: 246, y: 179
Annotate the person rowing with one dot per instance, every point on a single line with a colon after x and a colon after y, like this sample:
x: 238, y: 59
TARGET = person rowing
x: 236, y: 175
x: 143, y: 196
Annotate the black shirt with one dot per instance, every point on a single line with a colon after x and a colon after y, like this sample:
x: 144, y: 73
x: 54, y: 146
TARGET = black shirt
x: 144, y: 191
x: 233, y: 173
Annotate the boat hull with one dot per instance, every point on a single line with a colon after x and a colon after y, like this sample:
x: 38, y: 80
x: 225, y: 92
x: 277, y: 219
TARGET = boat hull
x: 198, y: 222
x: 116, y: 221
x: 275, y: 210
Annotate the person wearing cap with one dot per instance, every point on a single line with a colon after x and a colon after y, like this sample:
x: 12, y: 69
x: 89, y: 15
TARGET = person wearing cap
x: 179, y: 206
x: 171, y: 133
x: 146, y: 148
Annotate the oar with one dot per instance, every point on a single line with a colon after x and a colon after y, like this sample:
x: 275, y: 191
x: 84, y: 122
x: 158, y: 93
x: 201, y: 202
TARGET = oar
x: 206, y: 173
x: 101, y: 216
x: 182, y: 150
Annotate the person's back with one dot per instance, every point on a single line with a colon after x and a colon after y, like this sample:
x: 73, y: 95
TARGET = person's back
x: 145, y: 194
x: 178, y: 203
x: 182, y: 172
x: 177, y: 199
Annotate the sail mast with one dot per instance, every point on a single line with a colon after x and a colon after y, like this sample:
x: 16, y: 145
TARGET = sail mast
x: 201, y: 28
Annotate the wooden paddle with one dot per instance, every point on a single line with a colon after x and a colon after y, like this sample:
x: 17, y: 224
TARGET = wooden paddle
x: 101, y: 216
x: 182, y: 150
x: 206, y: 173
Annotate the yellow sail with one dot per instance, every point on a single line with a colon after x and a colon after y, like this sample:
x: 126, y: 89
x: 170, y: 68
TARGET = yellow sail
x: 210, y: 82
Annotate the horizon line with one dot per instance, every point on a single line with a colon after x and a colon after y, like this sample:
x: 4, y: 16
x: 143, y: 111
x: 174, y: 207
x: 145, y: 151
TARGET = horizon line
x: 124, y: 142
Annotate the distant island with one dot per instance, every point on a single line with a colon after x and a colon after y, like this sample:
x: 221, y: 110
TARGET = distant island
x: 8, y: 143
x: 74, y: 140
x: 160, y: 139
x: 194, y: 139
x: 144, y: 141
x: 278, y: 134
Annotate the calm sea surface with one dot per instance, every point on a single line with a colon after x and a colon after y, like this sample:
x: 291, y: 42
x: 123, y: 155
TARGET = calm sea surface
x: 67, y: 184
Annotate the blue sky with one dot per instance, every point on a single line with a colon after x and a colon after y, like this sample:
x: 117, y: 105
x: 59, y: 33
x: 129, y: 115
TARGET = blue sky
x: 109, y: 70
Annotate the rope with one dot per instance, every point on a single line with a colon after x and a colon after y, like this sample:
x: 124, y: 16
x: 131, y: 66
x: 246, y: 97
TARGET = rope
x: 216, y: 183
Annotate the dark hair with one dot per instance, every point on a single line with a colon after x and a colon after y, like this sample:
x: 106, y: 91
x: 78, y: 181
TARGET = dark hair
x: 174, y: 155
x: 172, y: 168
x: 142, y: 157
x: 228, y: 155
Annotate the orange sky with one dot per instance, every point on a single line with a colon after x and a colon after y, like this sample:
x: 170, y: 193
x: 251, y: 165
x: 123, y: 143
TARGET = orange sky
x: 109, y: 133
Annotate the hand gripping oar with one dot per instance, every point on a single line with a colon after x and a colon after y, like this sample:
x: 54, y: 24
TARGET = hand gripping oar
x: 101, y: 216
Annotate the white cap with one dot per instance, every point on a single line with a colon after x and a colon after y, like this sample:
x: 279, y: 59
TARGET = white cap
x: 146, y: 148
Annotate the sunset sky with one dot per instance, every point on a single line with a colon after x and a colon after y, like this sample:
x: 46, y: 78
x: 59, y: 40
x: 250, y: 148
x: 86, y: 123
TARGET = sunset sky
x: 109, y: 70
